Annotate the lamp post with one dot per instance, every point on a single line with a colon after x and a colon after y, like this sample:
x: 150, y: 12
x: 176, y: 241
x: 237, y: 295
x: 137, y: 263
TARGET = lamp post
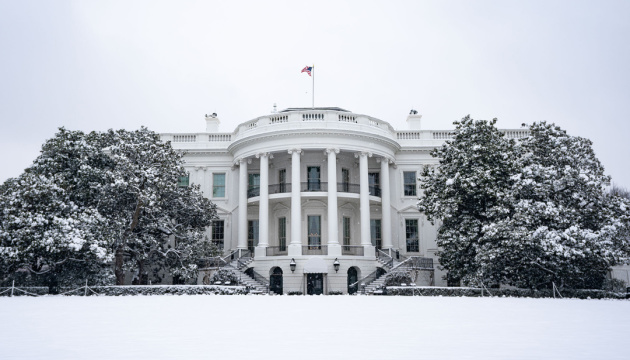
x: 336, y: 265
x: 292, y: 265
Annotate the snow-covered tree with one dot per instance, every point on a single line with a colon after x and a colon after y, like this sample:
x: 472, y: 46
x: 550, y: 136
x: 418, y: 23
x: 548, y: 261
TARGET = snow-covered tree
x: 565, y: 227
x: 51, y: 232
x: 90, y: 199
x: 468, y: 192
x: 525, y: 214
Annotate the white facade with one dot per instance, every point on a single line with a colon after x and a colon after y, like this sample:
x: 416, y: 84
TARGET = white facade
x: 315, y: 186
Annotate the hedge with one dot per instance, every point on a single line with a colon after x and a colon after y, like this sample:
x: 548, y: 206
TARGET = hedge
x: 127, y: 290
x: 475, y: 292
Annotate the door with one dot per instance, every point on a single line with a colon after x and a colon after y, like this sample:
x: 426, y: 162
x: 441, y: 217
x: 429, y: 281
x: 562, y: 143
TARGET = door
x: 275, y: 282
x: 314, y: 284
x: 312, y: 176
x: 353, y: 278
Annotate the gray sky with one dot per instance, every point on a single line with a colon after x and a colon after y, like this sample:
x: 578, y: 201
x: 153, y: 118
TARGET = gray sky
x: 95, y: 65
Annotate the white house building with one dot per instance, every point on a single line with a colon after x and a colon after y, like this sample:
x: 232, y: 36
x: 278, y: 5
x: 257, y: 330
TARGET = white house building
x: 317, y: 199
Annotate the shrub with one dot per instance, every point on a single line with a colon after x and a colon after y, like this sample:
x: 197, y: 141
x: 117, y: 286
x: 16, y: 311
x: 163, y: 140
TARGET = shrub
x: 295, y: 293
x: 224, y: 275
x: 395, y: 278
x: 335, y: 292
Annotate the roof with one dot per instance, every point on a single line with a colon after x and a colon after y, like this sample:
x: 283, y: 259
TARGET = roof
x: 314, y: 108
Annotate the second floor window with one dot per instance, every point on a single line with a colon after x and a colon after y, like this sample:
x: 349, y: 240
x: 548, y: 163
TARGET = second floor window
x: 375, y: 233
x: 282, y: 234
x: 252, y: 234
x: 218, y: 185
x: 254, y: 185
x: 282, y: 180
x: 313, y: 175
x: 411, y: 235
x: 409, y: 179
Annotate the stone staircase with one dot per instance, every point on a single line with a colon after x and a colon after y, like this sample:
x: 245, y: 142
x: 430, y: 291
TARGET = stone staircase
x: 238, y: 268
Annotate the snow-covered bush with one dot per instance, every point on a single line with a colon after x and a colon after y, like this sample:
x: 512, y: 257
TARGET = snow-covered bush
x: 127, y: 290
x: 223, y: 276
x: 396, y: 278
x: 335, y: 292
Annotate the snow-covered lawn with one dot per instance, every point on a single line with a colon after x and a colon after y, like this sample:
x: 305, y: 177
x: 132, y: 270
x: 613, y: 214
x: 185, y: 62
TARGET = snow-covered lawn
x: 312, y: 327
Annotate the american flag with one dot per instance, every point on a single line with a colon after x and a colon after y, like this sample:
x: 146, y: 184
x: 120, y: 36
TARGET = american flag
x: 308, y: 69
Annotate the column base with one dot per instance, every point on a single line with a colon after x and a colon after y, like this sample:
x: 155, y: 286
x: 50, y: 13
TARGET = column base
x: 369, y: 251
x: 295, y: 250
x: 334, y: 250
x: 260, y: 251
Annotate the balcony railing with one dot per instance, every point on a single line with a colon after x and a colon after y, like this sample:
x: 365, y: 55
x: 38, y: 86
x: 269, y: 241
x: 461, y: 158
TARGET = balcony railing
x: 356, y: 250
x: 311, y: 186
x: 348, y: 188
x: 314, y: 186
x: 279, y: 188
x: 277, y: 250
x: 315, y: 250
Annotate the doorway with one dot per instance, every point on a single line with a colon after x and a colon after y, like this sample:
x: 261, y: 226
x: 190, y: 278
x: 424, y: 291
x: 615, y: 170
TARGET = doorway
x: 275, y: 281
x: 314, y: 284
x: 353, y: 278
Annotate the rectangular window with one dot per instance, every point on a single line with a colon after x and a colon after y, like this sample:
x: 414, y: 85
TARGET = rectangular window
x: 218, y: 233
x: 411, y: 235
x: 346, y: 230
x: 183, y: 181
x: 313, y: 178
x: 254, y: 185
x: 314, y: 232
x: 218, y: 185
x: 282, y: 180
x: 409, y: 183
x: 345, y: 180
x: 375, y: 233
x: 282, y: 234
x: 252, y: 234
x: 374, y: 183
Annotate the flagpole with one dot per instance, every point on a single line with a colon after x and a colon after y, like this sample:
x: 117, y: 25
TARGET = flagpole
x: 313, y: 86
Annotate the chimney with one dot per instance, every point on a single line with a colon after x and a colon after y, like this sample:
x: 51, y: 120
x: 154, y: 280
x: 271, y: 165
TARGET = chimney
x: 413, y: 120
x: 212, y: 123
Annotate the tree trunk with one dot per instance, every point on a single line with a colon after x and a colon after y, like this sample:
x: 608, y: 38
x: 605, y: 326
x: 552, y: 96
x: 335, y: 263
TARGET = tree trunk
x: 118, y: 268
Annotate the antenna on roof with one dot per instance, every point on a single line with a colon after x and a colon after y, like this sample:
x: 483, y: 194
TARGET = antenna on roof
x: 275, y: 109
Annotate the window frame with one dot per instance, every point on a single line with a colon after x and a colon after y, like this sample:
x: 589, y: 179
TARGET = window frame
x: 215, y: 186
x: 409, y: 241
x: 219, y: 241
x: 406, y: 184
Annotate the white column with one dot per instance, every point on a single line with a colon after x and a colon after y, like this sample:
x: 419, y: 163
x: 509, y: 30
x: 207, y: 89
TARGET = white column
x: 364, y: 198
x: 242, y: 204
x: 386, y: 221
x: 295, y: 245
x: 263, y: 206
x: 334, y: 249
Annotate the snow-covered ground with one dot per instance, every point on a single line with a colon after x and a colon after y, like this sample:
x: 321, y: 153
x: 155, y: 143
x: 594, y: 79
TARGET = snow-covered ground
x: 312, y: 327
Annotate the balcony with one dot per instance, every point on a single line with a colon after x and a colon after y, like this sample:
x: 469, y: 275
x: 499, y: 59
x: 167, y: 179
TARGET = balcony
x: 311, y: 186
x: 315, y: 250
x: 356, y: 250
x: 277, y: 251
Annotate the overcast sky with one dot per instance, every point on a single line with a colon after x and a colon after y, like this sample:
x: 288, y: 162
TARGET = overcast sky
x: 95, y: 65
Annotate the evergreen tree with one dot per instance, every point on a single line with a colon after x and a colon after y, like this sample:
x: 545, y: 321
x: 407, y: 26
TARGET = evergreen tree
x: 90, y: 199
x: 468, y: 192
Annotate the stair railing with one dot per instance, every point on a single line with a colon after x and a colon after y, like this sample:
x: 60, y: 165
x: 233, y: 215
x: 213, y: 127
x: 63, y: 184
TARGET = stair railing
x: 259, y: 278
x: 385, y: 258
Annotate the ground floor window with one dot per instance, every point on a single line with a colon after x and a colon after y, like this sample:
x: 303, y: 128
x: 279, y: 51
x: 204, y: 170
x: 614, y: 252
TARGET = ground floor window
x: 375, y: 233
x: 411, y: 235
x: 218, y: 233
x: 252, y: 234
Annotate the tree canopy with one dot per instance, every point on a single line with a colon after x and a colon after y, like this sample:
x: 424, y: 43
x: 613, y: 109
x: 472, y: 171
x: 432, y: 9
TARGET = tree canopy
x: 90, y: 199
x: 524, y: 213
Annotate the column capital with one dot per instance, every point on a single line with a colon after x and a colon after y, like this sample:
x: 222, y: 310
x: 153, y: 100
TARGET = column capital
x: 291, y: 151
x: 385, y: 159
x: 330, y: 150
x: 267, y: 154
x: 362, y: 153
